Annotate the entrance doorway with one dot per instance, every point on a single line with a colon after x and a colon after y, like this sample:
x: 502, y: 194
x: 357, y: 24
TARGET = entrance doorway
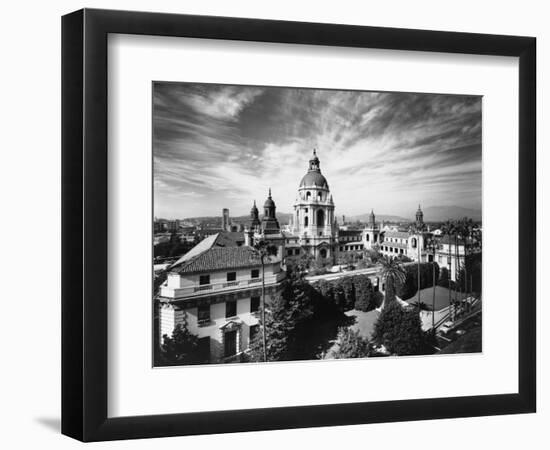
x: 230, y: 343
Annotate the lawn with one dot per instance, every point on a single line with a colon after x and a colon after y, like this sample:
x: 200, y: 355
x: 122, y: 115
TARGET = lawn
x: 426, y: 296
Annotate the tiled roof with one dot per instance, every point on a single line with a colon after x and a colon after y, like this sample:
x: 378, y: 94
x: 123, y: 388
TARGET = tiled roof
x: 220, y: 258
x: 202, y: 246
x: 396, y: 234
x: 229, y: 239
x: 349, y: 232
x: 445, y: 240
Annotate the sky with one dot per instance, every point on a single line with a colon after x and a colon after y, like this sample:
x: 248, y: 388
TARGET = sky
x: 220, y: 146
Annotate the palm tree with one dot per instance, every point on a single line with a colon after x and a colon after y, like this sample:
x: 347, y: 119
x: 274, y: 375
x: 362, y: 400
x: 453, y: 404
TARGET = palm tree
x: 466, y: 229
x: 265, y: 250
x: 432, y: 246
x: 449, y: 230
x: 391, y: 272
x: 418, y: 229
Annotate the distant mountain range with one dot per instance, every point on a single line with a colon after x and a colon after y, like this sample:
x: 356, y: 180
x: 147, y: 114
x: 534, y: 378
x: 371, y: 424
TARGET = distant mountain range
x: 442, y: 213
x: 379, y: 218
x: 431, y: 214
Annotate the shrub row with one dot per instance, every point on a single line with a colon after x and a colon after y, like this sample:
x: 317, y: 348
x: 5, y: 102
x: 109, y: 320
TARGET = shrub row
x: 410, y: 287
x: 345, y: 293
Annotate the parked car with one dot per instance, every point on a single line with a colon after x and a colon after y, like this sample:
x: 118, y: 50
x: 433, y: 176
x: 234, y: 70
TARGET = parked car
x: 446, y: 327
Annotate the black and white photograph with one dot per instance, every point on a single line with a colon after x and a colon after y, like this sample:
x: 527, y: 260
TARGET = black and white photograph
x: 313, y: 224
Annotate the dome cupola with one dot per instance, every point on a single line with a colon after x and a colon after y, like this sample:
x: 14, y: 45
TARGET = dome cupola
x: 314, y: 178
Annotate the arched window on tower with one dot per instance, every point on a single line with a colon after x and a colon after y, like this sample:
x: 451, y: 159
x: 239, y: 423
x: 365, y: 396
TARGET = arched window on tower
x: 320, y: 218
x: 319, y: 196
x: 308, y: 195
x: 413, y: 242
x: 306, y: 221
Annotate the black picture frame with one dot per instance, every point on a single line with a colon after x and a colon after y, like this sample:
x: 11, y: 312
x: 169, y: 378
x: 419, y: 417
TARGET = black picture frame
x: 84, y: 224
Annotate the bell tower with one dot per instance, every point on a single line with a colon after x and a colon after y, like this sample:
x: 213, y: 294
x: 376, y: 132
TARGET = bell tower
x: 314, y: 211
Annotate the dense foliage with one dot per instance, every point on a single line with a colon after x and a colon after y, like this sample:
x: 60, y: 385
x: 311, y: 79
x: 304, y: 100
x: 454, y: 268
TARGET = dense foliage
x: 173, y: 248
x: 350, y: 344
x: 284, y: 314
x: 399, y: 330
x: 346, y: 293
x: 409, y: 287
x: 180, y: 348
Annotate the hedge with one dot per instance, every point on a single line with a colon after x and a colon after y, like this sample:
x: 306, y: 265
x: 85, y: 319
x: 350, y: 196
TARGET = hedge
x: 410, y: 287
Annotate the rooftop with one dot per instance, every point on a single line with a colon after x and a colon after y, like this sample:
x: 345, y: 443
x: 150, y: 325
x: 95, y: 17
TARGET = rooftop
x: 396, y: 234
x: 220, y: 258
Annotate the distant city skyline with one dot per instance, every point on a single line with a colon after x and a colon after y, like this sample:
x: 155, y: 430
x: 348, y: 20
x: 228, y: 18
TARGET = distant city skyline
x: 217, y: 146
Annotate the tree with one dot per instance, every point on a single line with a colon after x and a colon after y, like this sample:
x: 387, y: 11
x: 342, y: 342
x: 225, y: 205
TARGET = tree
x: 399, y: 330
x: 181, y: 347
x: 284, y: 313
x: 449, y: 230
x: 364, y: 293
x: 349, y: 293
x: 393, y: 274
x: 265, y: 250
x: 374, y: 254
x: 408, y: 288
x: 159, y: 278
x: 350, y: 344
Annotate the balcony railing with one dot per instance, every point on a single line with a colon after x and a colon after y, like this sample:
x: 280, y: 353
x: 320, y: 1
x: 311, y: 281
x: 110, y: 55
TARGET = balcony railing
x: 206, y: 287
x: 188, y: 291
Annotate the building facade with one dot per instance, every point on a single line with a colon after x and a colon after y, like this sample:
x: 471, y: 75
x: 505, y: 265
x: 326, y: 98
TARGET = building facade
x: 215, y: 292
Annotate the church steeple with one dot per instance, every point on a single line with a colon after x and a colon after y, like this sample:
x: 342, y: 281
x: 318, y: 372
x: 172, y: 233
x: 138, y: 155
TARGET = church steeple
x: 254, y: 216
x: 270, y: 224
x: 419, y: 217
x: 372, y: 217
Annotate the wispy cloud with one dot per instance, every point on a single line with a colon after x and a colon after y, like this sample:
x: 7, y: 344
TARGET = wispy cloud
x: 224, y: 146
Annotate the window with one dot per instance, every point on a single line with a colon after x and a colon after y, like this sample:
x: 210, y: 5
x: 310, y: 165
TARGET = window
x: 204, y: 279
x: 255, y: 273
x: 297, y: 251
x: 254, y: 329
x: 231, y: 276
x: 308, y: 196
x: 254, y: 304
x: 230, y: 309
x: 320, y: 218
x: 289, y: 252
x: 203, y: 315
x: 319, y: 196
x: 306, y: 221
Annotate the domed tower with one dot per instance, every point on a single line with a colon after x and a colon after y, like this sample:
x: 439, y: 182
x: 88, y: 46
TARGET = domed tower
x: 270, y: 224
x: 419, y: 218
x: 371, y: 233
x: 314, y: 211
